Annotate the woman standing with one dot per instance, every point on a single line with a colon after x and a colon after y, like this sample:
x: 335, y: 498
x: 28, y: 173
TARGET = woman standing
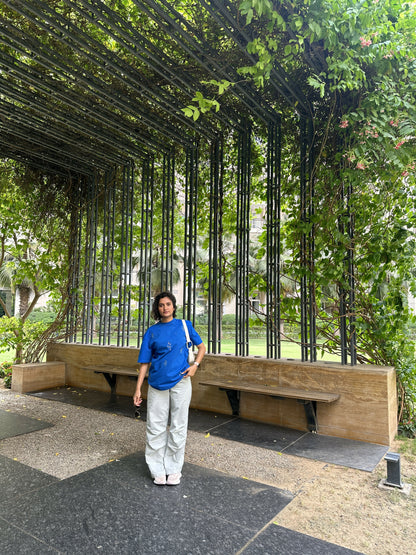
x: 164, y: 353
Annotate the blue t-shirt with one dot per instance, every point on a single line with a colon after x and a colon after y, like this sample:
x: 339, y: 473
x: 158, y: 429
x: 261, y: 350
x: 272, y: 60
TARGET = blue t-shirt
x: 164, y: 346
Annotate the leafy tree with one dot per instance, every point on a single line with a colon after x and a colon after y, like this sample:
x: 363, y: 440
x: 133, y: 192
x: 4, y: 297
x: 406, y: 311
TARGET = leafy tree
x: 34, y: 253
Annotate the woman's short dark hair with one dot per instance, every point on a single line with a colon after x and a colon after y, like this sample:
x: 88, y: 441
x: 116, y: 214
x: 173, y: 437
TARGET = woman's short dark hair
x: 155, y: 307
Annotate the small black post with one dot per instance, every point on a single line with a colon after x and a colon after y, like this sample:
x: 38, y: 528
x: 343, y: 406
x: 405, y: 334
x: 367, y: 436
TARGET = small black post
x: 393, y: 470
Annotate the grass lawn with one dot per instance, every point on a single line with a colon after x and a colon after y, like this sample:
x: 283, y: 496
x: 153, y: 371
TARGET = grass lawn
x: 6, y: 356
x: 258, y: 348
x: 407, y: 447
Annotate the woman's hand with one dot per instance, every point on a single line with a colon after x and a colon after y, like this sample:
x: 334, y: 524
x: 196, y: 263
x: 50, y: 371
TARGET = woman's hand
x: 137, y: 399
x: 189, y: 372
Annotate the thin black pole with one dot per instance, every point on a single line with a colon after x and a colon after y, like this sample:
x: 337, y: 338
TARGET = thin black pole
x: 303, y: 242
x: 242, y: 241
x: 273, y: 240
x: 190, y: 238
x: 215, y: 247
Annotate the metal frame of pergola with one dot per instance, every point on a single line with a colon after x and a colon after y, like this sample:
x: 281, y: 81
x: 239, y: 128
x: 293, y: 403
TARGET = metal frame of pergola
x: 96, y: 94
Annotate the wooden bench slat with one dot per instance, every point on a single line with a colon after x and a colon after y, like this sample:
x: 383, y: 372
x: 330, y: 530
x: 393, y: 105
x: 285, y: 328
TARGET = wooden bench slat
x: 290, y: 392
x: 108, y: 369
x: 110, y: 373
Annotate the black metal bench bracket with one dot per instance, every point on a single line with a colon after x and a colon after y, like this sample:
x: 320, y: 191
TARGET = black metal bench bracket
x: 309, y: 406
x: 311, y: 416
x: 234, y: 399
x: 111, y: 380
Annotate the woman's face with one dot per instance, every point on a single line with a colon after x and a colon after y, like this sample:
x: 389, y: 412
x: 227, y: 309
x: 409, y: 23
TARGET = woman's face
x: 166, y: 309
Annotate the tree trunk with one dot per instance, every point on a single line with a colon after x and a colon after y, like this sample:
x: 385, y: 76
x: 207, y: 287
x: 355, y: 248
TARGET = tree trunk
x: 24, y: 297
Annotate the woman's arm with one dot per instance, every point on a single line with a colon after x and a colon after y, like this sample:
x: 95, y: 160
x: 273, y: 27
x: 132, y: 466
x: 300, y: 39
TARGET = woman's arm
x: 189, y: 372
x: 137, y: 398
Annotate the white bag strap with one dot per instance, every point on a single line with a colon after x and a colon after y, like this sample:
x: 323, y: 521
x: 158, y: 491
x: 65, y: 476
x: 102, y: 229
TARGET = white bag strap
x: 185, y: 327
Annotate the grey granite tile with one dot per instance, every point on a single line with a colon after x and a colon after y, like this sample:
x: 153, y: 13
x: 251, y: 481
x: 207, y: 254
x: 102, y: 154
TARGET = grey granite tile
x: 336, y: 450
x: 12, y: 424
x: 14, y: 541
x: 116, y: 508
x: 201, y: 489
x: 276, y: 540
x: 19, y: 480
x: 204, y: 421
x: 91, y: 399
x: 259, y: 434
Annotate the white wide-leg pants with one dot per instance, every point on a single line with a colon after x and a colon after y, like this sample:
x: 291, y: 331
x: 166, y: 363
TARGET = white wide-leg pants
x: 165, y: 448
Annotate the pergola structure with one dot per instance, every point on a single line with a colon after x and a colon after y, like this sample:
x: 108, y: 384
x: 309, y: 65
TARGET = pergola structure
x: 95, y: 92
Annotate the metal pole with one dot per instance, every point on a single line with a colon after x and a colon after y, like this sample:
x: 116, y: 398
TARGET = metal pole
x: 146, y: 246
x: 273, y: 240
x: 90, y: 264
x: 351, y: 275
x: 242, y: 241
x: 311, y: 244
x: 190, y: 239
x: 303, y: 242
x: 215, y: 247
x: 75, y: 260
x: 168, y: 216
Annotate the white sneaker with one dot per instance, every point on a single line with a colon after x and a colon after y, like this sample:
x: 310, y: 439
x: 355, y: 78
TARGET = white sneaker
x: 174, y: 479
x: 160, y: 480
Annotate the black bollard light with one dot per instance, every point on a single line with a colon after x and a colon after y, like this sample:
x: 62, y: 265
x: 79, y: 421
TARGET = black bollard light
x: 393, y: 470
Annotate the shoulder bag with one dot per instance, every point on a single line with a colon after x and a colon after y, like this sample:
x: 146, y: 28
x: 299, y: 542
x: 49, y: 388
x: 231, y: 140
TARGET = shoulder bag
x: 191, y: 355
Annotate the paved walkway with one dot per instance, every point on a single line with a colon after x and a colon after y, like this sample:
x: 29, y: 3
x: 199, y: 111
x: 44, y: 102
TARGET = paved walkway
x: 74, y: 481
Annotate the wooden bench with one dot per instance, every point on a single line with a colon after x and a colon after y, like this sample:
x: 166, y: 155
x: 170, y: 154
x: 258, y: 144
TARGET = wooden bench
x: 307, y: 398
x: 111, y: 372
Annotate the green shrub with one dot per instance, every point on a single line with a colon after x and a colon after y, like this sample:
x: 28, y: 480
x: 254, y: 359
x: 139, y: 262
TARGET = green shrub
x: 6, y: 373
x: 43, y: 316
x: 201, y: 320
x: 228, y: 319
x: 16, y: 335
